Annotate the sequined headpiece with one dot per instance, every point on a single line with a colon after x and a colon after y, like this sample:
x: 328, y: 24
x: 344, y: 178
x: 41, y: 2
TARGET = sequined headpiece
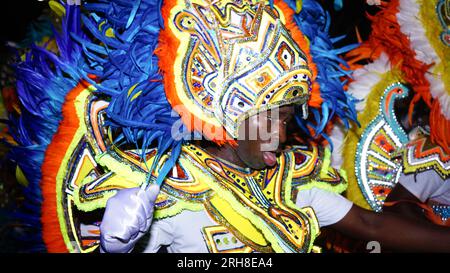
x: 234, y: 59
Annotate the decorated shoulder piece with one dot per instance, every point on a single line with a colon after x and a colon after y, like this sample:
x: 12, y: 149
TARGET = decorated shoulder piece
x: 421, y: 154
x: 411, y: 61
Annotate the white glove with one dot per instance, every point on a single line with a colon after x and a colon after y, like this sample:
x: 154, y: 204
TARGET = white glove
x: 128, y: 216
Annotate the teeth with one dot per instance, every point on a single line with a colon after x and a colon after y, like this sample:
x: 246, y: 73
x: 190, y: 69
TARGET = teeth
x: 304, y: 111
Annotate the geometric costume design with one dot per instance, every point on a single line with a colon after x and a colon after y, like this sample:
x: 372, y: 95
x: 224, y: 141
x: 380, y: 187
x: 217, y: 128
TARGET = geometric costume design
x: 377, y: 167
x: 408, y: 54
x: 99, y: 116
x: 420, y: 155
x: 234, y: 60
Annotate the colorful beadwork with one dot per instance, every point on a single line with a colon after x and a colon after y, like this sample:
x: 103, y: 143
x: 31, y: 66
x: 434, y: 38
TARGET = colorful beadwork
x: 443, y: 211
x: 120, y: 70
x: 236, y: 58
x: 376, y: 167
x: 199, y: 181
x: 420, y: 155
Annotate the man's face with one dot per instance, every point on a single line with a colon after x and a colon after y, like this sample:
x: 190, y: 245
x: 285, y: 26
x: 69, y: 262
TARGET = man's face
x: 261, y: 137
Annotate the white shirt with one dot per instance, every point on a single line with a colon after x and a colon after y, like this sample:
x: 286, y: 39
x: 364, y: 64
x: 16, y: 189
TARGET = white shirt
x: 183, y: 233
x: 427, y: 185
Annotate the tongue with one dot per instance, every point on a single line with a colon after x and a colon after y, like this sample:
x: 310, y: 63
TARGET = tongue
x: 270, y: 158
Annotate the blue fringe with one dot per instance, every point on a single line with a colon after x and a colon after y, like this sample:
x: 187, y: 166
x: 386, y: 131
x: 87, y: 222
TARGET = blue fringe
x: 127, y: 61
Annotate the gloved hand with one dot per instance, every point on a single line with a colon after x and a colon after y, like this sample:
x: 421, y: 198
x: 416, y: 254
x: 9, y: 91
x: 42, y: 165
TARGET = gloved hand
x: 128, y: 216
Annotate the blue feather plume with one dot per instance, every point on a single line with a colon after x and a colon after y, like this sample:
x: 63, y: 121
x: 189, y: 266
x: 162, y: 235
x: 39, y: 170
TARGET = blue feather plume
x: 127, y: 62
x: 314, y: 22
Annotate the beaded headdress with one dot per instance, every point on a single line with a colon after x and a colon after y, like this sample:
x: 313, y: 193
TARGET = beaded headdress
x: 234, y: 59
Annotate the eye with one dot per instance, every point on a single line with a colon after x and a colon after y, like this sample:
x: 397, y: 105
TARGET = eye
x: 287, y: 119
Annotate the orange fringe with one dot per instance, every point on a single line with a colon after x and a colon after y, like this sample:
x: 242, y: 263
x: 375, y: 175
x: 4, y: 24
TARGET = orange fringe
x: 387, y: 37
x: 167, y: 53
x: 54, y: 155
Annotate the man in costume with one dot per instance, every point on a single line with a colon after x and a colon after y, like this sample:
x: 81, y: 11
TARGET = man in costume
x: 244, y: 173
x: 423, y: 189
x: 103, y: 134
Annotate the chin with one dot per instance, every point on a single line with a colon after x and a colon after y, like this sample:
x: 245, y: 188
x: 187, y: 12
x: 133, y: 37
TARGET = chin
x: 259, y: 166
x: 253, y: 165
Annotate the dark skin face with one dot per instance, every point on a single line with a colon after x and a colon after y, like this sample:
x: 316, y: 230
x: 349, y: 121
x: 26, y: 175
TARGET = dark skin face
x: 259, y: 136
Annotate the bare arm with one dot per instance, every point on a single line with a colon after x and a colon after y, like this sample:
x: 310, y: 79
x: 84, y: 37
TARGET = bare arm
x: 404, y: 203
x: 393, y: 231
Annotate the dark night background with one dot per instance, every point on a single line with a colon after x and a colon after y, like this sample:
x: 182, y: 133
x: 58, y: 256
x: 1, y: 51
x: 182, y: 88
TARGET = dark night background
x: 17, y: 15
